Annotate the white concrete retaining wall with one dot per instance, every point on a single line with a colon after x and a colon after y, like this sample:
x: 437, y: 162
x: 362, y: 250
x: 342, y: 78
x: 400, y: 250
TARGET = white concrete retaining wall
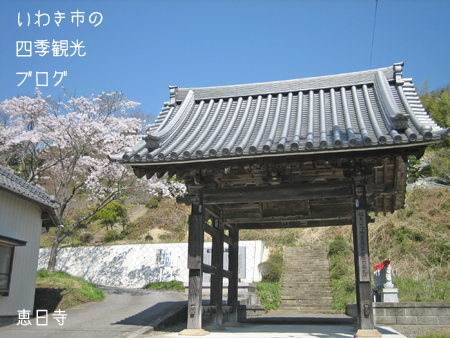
x: 134, y: 266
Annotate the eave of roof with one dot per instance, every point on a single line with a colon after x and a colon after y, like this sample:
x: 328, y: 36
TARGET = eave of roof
x: 340, y: 113
x: 23, y: 189
x: 12, y: 241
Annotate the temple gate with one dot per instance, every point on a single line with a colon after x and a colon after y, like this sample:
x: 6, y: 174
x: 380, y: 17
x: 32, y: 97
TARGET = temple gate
x: 290, y: 154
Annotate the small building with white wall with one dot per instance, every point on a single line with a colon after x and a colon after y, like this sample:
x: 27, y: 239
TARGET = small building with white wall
x: 24, y: 211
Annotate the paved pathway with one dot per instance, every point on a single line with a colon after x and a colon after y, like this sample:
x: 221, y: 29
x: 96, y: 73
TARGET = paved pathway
x: 290, y: 331
x: 122, y: 313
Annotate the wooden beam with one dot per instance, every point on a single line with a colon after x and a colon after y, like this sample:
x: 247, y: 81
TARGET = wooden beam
x: 295, y: 224
x: 195, y: 261
x: 233, y: 261
x: 361, y: 256
x: 217, y: 278
x: 211, y: 231
x: 213, y: 210
x: 209, y: 269
x: 227, y: 240
x: 333, y: 212
x: 227, y: 274
x: 283, y: 192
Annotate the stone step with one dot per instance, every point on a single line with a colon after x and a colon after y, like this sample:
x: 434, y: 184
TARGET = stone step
x: 305, y: 283
x: 317, y: 298
x: 317, y: 277
x: 305, y: 287
x: 307, y: 258
x: 317, y: 306
x: 301, y: 310
x: 306, y: 269
x: 301, y: 298
x: 294, y: 288
x: 306, y: 276
x: 293, y: 291
x: 312, y: 294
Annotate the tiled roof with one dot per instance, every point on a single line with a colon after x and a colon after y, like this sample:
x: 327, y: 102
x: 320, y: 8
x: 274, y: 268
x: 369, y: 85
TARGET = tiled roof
x: 368, y: 109
x: 16, y: 185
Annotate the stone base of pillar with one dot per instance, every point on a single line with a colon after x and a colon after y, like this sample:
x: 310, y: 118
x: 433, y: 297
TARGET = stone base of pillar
x: 193, y: 332
x: 368, y: 333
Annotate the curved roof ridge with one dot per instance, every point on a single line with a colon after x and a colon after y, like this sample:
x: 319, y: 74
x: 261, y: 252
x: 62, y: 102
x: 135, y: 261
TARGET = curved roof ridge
x: 285, y: 86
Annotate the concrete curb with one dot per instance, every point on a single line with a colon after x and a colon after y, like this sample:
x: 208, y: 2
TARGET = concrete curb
x: 168, y: 318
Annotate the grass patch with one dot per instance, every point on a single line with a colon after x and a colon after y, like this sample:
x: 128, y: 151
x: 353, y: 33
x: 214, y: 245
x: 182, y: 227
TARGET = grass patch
x: 269, y: 292
x: 60, y: 290
x: 435, y: 336
x: 422, y: 290
x: 342, y: 273
x: 167, y: 286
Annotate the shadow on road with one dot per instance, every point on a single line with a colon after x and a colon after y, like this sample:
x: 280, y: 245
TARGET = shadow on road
x: 164, y: 313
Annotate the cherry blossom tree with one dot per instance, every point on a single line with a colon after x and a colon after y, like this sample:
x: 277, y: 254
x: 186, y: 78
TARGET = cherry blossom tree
x: 63, y: 146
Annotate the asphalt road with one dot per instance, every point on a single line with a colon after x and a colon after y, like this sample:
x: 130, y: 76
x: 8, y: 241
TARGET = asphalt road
x: 123, y: 313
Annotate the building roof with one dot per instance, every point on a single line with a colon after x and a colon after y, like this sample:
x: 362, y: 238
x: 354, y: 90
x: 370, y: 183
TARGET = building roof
x: 363, y: 110
x: 17, y: 186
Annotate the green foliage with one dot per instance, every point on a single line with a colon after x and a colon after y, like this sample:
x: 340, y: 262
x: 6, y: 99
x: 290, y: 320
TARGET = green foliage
x: 43, y: 273
x: 422, y: 290
x: 270, y: 294
x: 437, y: 104
x: 168, y: 286
x: 76, y: 290
x: 110, y: 214
x: 112, y: 235
x: 86, y: 237
x: 289, y: 238
x: 180, y: 227
x: 152, y: 204
x: 434, y: 336
x: 339, y: 246
x: 341, y: 272
x: 272, y: 269
x: 404, y: 235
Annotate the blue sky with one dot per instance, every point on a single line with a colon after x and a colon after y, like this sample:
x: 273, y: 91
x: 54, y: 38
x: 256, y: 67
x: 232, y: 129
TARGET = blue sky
x: 142, y: 47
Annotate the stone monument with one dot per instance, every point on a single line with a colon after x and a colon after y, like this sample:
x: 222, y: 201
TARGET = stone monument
x: 384, y: 290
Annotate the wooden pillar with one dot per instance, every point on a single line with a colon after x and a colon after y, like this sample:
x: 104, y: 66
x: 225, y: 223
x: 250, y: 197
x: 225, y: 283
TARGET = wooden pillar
x: 362, y: 260
x: 195, y: 260
x: 217, y: 278
x: 233, y: 261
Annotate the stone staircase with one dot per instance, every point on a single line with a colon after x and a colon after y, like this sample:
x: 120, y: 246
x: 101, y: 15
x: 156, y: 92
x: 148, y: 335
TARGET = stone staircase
x: 305, y: 283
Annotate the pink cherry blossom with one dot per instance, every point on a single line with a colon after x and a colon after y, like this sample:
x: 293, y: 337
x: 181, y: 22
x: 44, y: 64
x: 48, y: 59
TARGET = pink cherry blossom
x: 63, y: 146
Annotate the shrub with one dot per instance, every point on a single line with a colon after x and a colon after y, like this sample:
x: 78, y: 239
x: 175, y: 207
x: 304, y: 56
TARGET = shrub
x: 269, y: 294
x: 338, y: 246
x: 272, y: 269
x: 168, y: 286
x: 152, y: 204
x: 111, y: 236
x: 86, y: 237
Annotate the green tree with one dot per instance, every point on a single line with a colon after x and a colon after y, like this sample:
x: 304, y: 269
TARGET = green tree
x: 438, y: 105
x: 110, y: 214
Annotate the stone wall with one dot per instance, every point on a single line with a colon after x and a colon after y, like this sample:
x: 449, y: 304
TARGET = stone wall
x: 134, y: 266
x: 422, y: 313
